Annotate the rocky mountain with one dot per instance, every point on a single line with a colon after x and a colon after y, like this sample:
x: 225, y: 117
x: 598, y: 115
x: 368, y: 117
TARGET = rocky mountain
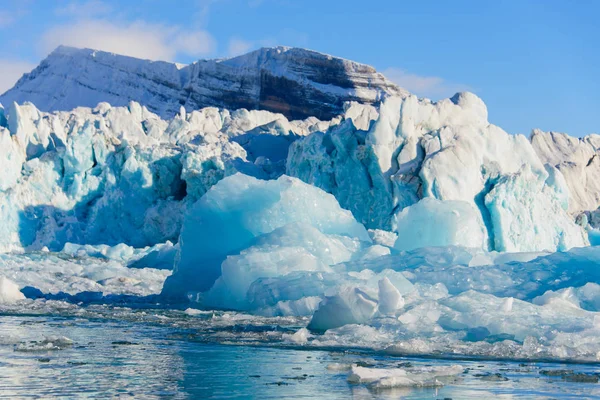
x: 295, y: 82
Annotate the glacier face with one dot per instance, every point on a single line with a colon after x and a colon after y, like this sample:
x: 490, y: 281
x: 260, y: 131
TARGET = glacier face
x: 296, y: 82
x: 412, y: 227
x: 416, y: 149
x: 113, y: 175
x: 578, y: 161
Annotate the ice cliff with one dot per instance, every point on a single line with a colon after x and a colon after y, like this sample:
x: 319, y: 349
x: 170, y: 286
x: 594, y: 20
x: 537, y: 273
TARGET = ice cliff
x: 416, y: 149
x: 112, y: 175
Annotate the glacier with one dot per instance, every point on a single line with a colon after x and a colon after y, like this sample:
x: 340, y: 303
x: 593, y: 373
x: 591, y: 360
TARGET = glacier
x: 393, y: 222
x: 448, y: 151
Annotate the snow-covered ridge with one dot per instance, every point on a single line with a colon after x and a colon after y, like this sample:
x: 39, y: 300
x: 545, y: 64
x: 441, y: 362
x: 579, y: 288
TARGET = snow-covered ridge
x: 296, y: 82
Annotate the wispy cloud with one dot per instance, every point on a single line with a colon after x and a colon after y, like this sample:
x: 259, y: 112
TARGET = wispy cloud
x: 137, y: 39
x: 239, y: 46
x: 12, y: 70
x: 432, y: 87
x: 286, y: 37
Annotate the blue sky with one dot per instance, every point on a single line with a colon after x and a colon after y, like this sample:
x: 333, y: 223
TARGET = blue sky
x: 534, y: 63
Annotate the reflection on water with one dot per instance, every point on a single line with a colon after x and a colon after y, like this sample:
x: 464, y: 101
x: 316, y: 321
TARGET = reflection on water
x: 46, y: 356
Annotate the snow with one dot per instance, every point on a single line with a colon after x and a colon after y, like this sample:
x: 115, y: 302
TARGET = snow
x: 260, y: 79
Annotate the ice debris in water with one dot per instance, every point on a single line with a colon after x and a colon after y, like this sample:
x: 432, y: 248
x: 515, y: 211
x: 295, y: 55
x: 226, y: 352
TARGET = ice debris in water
x: 299, y: 337
x: 47, y: 344
x: 83, y: 271
x: 381, y: 378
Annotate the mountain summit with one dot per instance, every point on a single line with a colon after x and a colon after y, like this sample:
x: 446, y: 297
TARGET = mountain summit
x: 295, y: 82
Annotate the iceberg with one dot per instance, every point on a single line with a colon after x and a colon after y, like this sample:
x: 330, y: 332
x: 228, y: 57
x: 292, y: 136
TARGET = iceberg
x: 238, y: 211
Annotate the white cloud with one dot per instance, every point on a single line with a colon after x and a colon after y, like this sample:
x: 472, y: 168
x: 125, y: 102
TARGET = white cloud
x: 432, y: 87
x: 136, y: 39
x: 12, y: 70
x: 238, y: 46
x: 194, y: 43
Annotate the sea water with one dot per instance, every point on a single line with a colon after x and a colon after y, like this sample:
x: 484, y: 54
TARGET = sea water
x: 108, y: 352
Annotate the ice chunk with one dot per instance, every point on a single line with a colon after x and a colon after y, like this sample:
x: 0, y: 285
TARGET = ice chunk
x: 350, y: 306
x: 300, y: 337
x: 291, y: 248
x: 9, y: 291
x: 383, y: 238
x: 239, y: 209
x: 381, y: 378
x: 526, y: 215
x: 432, y: 222
x: 390, y: 299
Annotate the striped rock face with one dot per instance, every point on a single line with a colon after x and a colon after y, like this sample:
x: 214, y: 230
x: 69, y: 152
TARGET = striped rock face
x: 295, y: 82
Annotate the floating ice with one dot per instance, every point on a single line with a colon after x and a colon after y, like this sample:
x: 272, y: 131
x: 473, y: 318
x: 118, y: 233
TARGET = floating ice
x: 350, y: 306
x: 55, y: 273
x: 381, y: 378
x: 9, y: 291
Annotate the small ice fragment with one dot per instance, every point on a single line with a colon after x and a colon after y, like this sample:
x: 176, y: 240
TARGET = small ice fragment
x: 9, y: 291
x: 300, y: 337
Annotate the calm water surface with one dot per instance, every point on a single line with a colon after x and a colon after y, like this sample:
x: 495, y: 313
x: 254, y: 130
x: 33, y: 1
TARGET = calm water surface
x: 71, y: 357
